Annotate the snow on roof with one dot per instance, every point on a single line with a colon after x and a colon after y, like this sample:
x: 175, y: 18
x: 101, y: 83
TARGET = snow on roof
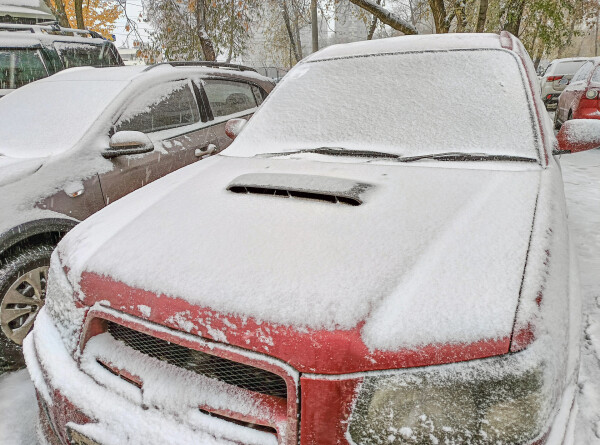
x: 25, y: 8
x: 18, y: 39
x: 426, y: 42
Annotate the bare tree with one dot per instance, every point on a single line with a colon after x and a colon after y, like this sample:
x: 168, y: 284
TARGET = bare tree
x: 288, y: 26
x: 58, y: 9
x: 79, y: 14
x: 205, y: 42
x: 373, y: 25
x: 314, y: 25
x: 438, y: 10
x: 482, y: 15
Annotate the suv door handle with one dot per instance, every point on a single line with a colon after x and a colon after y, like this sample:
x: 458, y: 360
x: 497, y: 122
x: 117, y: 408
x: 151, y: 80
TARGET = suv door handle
x: 205, y: 151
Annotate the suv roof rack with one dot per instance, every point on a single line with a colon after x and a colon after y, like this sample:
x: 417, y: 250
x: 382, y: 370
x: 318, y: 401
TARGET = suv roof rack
x: 51, y: 28
x: 209, y: 64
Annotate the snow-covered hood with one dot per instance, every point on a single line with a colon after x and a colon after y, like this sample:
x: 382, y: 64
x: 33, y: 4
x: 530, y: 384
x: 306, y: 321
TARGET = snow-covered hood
x: 433, y: 255
x: 13, y: 169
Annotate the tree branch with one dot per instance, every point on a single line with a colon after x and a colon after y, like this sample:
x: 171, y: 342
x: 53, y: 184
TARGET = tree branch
x: 387, y: 17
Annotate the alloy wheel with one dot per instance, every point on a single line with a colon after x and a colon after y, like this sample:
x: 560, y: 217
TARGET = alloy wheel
x: 22, y: 303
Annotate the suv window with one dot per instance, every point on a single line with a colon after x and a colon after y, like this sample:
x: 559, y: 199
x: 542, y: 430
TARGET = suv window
x: 18, y: 67
x: 229, y: 97
x: 162, y: 107
x: 583, y: 72
x: 596, y: 76
x: 86, y: 54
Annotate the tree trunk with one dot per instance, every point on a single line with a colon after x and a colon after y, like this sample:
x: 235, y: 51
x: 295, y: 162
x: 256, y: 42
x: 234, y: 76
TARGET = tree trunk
x: 288, y: 27
x: 461, y: 16
x: 314, y: 24
x: 373, y: 25
x: 79, y: 14
x: 205, y: 42
x: 514, y: 15
x: 231, y: 28
x: 297, y: 31
x: 58, y: 9
x: 438, y: 10
x: 482, y: 15
x: 387, y: 17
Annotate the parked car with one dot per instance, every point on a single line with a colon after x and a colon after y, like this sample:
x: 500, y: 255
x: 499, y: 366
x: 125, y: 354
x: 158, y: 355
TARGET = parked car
x: 78, y: 140
x: 32, y: 52
x: 556, y: 77
x: 580, y: 100
x: 369, y: 262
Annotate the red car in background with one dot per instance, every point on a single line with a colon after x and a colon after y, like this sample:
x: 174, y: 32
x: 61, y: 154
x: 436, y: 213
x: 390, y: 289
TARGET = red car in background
x: 581, y: 98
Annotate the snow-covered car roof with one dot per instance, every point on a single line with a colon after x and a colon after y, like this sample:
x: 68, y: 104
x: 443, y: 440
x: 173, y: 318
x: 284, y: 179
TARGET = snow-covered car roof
x: 132, y: 72
x: 17, y: 39
x: 430, y: 42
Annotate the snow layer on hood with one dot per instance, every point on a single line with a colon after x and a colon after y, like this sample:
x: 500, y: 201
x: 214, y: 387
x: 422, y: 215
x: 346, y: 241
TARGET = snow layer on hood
x: 427, y: 250
x: 401, y: 103
x: 34, y: 116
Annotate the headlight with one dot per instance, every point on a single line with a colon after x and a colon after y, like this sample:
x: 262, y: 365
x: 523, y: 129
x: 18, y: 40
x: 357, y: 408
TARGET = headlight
x: 60, y: 304
x: 498, y: 400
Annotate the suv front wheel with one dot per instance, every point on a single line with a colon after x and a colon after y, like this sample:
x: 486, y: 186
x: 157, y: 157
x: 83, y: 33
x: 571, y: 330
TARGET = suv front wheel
x: 23, y: 279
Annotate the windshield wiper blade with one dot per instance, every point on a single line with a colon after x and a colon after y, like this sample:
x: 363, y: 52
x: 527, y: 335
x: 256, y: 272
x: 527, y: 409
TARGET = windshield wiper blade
x: 338, y: 151
x: 460, y: 156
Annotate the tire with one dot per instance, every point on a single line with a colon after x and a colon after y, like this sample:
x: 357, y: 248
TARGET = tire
x: 557, y: 124
x: 23, y: 279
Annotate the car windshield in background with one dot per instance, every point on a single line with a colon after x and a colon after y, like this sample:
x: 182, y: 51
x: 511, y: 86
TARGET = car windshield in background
x: 18, y: 67
x: 39, y: 130
x: 406, y: 104
x: 567, y: 68
x: 86, y: 54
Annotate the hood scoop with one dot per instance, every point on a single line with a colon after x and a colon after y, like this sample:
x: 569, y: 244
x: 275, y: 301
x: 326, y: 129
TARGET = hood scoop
x: 317, y: 188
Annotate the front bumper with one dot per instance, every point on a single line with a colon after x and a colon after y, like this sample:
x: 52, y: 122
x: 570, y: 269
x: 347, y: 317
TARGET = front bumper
x: 102, y: 408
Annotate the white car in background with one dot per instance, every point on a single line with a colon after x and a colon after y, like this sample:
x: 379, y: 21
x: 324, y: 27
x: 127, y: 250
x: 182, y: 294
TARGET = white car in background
x: 556, y: 77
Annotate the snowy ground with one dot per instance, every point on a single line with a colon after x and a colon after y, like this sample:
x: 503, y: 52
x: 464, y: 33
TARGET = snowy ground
x: 582, y: 185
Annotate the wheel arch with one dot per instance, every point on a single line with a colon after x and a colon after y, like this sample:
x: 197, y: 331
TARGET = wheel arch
x: 31, y: 233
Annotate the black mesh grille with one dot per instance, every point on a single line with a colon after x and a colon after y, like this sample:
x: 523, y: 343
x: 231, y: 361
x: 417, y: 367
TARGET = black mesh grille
x: 228, y: 371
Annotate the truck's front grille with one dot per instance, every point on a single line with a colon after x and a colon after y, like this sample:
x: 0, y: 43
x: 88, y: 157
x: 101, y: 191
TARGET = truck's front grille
x: 228, y: 371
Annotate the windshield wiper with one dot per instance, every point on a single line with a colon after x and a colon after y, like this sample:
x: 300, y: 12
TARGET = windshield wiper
x: 338, y: 151
x: 459, y: 156
x: 447, y: 156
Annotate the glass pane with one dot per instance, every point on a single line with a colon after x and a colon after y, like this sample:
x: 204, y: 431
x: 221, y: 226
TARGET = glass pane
x: 86, y: 54
x: 160, y: 108
x: 596, y: 76
x: 19, y: 67
x: 257, y: 95
x: 227, y: 97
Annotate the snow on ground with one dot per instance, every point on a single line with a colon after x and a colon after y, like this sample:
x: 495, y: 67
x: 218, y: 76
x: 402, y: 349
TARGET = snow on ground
x: 582, y: 186
x: 581, y: 174
x: 18, y: 409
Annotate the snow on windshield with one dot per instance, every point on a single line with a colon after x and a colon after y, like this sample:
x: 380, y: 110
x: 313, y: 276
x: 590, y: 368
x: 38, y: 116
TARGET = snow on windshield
x: 403, y: 103
x: 48, y: 117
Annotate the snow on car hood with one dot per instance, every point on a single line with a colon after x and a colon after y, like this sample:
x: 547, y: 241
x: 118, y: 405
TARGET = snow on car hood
x: 13, y: 169
x: 434, y: 254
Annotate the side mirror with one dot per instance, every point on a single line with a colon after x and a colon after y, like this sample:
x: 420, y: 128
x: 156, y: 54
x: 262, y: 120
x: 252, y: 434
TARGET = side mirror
x: 128, y: 143
x: 578, y: 135
x: 233, y: 127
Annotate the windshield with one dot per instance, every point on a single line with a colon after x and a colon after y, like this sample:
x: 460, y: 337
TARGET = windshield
x: 406, y: 104
x: 48, y: 117
x: 567, y: 68
x: 86, y: 54
x: 18, y: 67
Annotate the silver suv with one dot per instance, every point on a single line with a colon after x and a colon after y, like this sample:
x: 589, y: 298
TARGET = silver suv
x: 556, y: 77
x: 32, y: 52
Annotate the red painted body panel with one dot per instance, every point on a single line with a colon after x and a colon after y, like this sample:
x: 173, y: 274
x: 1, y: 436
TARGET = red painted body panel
x: 323, y: 352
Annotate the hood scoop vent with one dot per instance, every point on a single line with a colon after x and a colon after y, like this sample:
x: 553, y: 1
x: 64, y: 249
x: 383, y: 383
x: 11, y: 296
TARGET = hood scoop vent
x: 317, y: 188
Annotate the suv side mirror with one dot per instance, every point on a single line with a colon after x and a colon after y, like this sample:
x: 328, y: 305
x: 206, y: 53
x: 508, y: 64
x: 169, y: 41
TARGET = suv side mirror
x: 578, y: 135
x: 233, y: 127
x: 128, y: 143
